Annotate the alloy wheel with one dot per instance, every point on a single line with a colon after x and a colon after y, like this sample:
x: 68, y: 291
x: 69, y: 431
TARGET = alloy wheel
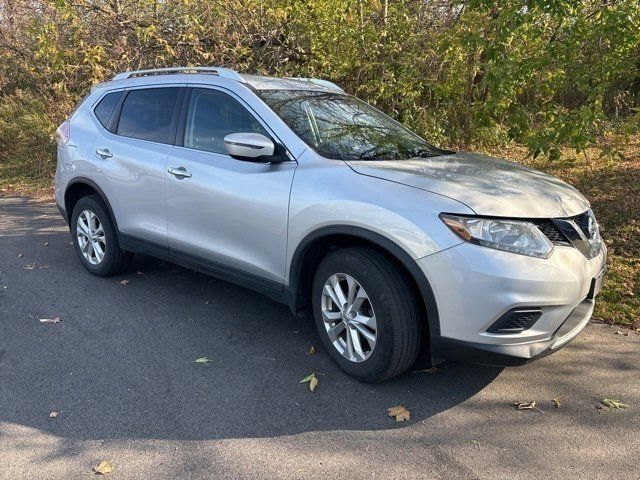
x: 348, y: 317
x: 91, y: 238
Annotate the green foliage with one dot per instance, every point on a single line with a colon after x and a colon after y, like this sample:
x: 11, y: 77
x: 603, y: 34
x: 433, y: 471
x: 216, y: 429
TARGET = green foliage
x: 546, y: 74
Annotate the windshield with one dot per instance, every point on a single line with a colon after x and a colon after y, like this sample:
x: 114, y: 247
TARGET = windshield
x: 342, y: 127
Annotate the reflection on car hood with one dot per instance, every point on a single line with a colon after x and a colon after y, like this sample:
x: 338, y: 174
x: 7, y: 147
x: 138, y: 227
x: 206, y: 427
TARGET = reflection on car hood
x: 486, y: 185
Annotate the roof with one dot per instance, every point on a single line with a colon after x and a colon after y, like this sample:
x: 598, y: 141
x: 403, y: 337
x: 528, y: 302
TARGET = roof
x: 255, y: 81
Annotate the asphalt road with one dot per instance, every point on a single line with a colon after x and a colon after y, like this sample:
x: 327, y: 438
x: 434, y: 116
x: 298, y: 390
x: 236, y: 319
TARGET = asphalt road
x: 119, y: 368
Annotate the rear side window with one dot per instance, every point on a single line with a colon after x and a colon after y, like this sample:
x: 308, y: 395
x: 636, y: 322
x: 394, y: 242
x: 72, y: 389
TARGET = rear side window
x: 211, y: 116
x: 106, y: 106
x: 147, y: 114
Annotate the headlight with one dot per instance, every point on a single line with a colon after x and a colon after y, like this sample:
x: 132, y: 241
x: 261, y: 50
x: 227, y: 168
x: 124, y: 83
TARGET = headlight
x: 516, y: 236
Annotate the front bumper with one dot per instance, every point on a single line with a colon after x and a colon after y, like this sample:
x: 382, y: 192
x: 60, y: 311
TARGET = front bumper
x: 474, y: 286
x: 514, y: 355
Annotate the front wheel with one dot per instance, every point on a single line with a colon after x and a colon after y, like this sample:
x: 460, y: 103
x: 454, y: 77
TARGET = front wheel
x: 95, y: 240
x: 366, y: 313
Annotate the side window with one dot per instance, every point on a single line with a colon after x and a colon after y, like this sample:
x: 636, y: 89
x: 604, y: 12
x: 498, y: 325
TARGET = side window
x: 211, y: 116
x: 105, y: 107
x: 147, y: 114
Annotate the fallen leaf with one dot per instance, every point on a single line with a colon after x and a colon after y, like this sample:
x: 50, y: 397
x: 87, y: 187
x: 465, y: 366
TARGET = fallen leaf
x: 53, y: 414
x: 399, y: 412
x: 203, y: 360
x: 556, y: 402
x: 430, y: 371
x: 207, y: 302
x: 50, y: 320
x: 139, y: 273
x: 103, y: 468
x: 20, y: 255
x: 477, y: 443
x: 124, y: 282
x: 312, y: 350
x: 30, y: 266
x: 312, y: 380
x: 527, y: 406
x: 613, y: 404
x: 45, y: 244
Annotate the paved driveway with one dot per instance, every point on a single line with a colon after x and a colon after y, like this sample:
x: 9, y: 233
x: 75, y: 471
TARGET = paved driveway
x: 119, y: 370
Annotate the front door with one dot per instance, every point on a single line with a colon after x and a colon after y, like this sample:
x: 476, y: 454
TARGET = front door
x: 226, y: 214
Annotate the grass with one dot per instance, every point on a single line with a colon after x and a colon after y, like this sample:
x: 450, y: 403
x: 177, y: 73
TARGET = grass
x: 611, y: 184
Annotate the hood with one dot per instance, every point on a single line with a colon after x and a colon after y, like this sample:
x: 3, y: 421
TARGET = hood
x: 487, y: 185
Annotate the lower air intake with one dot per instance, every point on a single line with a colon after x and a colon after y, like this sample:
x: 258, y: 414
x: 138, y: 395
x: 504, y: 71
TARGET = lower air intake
x: 516, y: 320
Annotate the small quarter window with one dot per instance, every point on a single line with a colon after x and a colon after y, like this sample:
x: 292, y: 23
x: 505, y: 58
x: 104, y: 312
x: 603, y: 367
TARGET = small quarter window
x: 147, y: 114
x: 106, y: 106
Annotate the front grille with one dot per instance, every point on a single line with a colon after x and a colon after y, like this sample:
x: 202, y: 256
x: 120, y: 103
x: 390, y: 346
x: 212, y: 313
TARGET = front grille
x: 552, y: 232
x: 582, y: 221
x: 516, y: 320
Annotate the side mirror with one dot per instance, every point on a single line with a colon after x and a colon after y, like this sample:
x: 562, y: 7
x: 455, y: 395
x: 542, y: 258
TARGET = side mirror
x: 251, y: 146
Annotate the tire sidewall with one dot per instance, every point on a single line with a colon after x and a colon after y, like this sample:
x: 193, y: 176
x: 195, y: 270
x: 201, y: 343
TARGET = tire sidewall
x: 96, y: 206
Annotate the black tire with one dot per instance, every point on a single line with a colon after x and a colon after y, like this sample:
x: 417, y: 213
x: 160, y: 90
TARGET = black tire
x: 394, y: 301
x: 115, y: 259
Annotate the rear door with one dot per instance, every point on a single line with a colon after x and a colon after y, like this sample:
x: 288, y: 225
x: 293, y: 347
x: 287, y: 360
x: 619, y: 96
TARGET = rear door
x: 131, y: 155
x: 223, y: 213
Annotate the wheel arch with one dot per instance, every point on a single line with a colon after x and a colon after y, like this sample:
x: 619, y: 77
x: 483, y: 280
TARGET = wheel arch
x: 317, y: 244
x: 80, y: 187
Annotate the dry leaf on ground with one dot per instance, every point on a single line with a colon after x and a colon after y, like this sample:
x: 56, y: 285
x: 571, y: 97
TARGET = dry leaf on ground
x: 20, y: 255
x: 203, y: 360
x: 613, y: 404
x: 312, y: 380
x: 312, y: 350
x: 527, y: 406
x: 430, y: 371
x: 30, y: 266
x: 50, y: 320
x: 399, y: 412
x: 556, y: 402
x: 103, y: 468
x: 53, y: 414
x: 124, y: 282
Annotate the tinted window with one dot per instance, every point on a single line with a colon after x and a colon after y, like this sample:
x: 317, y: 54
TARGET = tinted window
x: 146, y: 114
x: 211, y: 116
x: 345, y: 128
x: 105, y: 107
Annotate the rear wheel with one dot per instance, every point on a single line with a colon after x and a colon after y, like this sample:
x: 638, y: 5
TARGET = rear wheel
x: 366, y: 313
x: 95, y: 239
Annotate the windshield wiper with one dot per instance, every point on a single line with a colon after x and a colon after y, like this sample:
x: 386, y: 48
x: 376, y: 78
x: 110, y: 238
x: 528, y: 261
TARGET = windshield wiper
x: 425, y: 153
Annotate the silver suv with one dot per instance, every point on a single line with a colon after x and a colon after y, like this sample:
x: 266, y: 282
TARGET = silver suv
x: 293, y: 188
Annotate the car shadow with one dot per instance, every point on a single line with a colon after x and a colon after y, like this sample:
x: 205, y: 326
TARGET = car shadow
x: 121, y: 363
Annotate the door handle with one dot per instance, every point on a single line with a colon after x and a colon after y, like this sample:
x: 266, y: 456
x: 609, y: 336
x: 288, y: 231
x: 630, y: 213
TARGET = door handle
x: 179, y: 172
x: 104, y: 152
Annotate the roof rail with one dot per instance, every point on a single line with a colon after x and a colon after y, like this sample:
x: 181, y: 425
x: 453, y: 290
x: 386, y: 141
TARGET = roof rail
x: 220, y: 71
x: 320, y: 82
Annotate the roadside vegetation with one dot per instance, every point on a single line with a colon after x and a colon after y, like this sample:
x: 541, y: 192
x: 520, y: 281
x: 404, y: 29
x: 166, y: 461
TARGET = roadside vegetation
x: 555, y: 84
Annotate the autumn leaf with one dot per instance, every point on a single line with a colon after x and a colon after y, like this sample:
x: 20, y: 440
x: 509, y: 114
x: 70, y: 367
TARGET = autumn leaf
x: 20, y: 255
x: 203, y: 360
x: 50, y: 320
x: 400, y: 413
x: 30, y: 266
x: 527, y: 406
x: 53, y: 414
x: 613, y: 404
x: 430, y: 371
x: 556, y: 402
x: 312, y: 350
x: 124, y: 282
x: 103, y: 468
x: 312, y: 380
